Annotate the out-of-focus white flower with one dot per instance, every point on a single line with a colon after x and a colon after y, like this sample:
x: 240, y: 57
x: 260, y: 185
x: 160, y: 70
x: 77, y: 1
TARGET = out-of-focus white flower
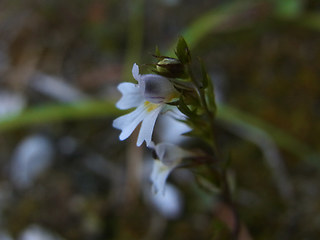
x: 11, y: 103
x: 56, y: 88
x: 169, y: 156
x: 32, y: 156
x: 169, y: 205
x: 149, y: 97
x: 171, y: 130
x: 36, y: 232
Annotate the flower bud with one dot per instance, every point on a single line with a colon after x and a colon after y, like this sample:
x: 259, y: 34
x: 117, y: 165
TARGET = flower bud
x: 171, y: 67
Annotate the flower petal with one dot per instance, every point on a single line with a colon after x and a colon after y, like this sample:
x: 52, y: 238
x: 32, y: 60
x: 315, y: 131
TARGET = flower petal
x: 135, y: 72
x: 131, y: 96
x: 127, y: 123
x: 170, y: 157
x: 159, y: 175
x: 147, y: 125
x: 171, y: 129
x: 156, y: 88
x: 170, y: 204
x: 170, y: 154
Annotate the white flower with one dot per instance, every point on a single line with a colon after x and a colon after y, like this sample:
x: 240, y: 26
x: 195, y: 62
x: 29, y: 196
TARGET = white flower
x: 169, y: 205
x: 169, y: 157
x: 171, y: 129
x: 148, y: 97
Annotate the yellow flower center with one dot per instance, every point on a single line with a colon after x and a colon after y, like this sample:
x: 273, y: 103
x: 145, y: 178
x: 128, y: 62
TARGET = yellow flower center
x: 150, y: 106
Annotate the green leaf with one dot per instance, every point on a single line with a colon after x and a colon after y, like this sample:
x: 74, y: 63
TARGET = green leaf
x: 184, y: 108
x: 190, y: 134
x: 210, y: 100
x: 207, y: 185
x: 182, y: 51
x: 157, y: 52
x: 208, y: 88
x: 175, y: 103
x: 205, y: 77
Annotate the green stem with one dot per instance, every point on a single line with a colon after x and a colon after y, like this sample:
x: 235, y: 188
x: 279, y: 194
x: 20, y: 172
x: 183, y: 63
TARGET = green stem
x: 210, y: 115
x: 226, y: 191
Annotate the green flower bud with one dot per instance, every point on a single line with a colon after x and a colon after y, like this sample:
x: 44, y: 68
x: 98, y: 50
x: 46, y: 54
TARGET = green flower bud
x: 170, y: 67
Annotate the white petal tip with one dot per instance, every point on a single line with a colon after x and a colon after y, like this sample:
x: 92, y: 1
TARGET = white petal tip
x: 139, y: 143
x: 121, y: 138
x: 135, y: 72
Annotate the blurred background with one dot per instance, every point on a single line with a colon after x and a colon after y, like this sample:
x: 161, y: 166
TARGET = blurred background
x: 64, y: 173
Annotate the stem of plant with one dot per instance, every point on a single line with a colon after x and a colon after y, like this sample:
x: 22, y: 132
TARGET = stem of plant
x: 226, y: 192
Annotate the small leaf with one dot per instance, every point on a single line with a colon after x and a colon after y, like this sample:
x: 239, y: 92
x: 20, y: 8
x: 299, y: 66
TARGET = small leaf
x: 205, y: 77
x: 157, y: 51
x: 189, y: 134
x: 182, y: 51
x: 184, y: 108
x: 175, y: 103
x: 210, y: 100
x: 208, y: 89
x: 207, y: 185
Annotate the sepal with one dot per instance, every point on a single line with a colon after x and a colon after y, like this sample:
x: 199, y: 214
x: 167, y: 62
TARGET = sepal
x: 208, y: 89
x: 182, y: 51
